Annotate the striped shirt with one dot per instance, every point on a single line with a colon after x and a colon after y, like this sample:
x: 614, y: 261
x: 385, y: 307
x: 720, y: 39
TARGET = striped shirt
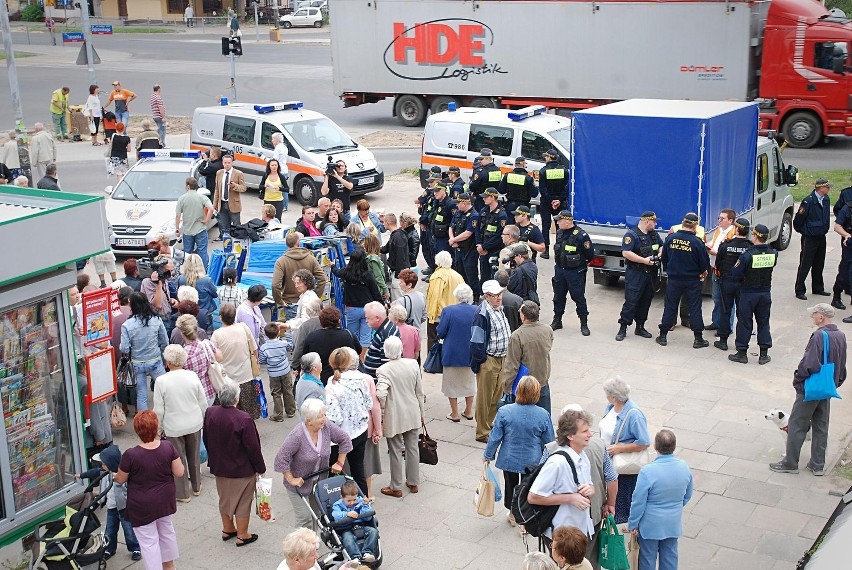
x: 198, y: 354
x: 273, y: 353
x: 498, y: 339
x: 231, y: 294
x: 376, y: 353
x: 158, y: 108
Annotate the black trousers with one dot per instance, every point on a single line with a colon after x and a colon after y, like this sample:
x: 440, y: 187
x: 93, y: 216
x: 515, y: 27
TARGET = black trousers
x: 811, y: 260
x: 844, y: 271
x: 675, y: 289
x: 638, y: 294
x: 729, y: 296
x: 510, y: 481
x: 753, y: 306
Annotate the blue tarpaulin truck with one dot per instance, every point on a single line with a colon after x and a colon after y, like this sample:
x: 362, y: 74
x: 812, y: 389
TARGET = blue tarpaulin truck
x: 673, y: 157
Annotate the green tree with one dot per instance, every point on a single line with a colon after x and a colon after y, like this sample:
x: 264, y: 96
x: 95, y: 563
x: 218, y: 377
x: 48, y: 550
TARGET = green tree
x: 845, y: 5
x: 32, y: 13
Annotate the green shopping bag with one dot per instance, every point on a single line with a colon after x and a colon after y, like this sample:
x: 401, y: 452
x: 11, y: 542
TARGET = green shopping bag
x: 611, y: 552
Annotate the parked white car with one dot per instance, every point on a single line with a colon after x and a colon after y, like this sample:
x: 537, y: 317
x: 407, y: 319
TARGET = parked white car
x: 303, y: 17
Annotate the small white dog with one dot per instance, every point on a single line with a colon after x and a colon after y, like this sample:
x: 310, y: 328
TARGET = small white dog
x: 781, y: 418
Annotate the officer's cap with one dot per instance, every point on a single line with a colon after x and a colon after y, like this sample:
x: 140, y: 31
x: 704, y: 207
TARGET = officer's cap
x: 491, y: 191
x: 525, y: 210
x: 434, y: 176
x: 446, y: 182
x: 761, y: 231
x: 822, y: 183
x: 435, y: 170
x: 742, y: 223
x: 565, y: 215
x: 520, y: 160
x: 823, y: 309
x: 648, y: 215
x: 485, y: 152
x: 464, y: 197
x: 551, y: 152
x: 440, y: 187
x: 455, y: 169
x: 521, y: 249
x: 690, y: 219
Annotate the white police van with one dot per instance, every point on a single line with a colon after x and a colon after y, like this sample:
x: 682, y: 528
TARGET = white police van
x: 456, y: 136
x: 246, y: 130
x: 142, y: 205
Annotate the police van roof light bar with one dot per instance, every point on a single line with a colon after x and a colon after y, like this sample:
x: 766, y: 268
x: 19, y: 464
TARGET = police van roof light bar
x: 527, y: 112
x: 169, y: 153
x: 285, y: 106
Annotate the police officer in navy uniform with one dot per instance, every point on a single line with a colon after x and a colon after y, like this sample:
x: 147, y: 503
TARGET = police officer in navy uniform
x: 425, y: 204
x: 518, y: 186
x: 572, y: 253
x: 812, y: 221
x: 486, y: 175
x: 728, y: 254
x: 440, y: 219
x: 843, y: 227
x: 528, y: 232
x: 640, y: 248
x: 489, y: 242
x: 457, y: 185
x: 553, y: 187
x: 463, y: 231
x: 755, y: 267
x: 686, y: 262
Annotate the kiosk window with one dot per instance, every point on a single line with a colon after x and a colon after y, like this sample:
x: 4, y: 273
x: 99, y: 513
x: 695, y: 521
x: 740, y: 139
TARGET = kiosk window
x: 238, y: 130
x: 498, y: 139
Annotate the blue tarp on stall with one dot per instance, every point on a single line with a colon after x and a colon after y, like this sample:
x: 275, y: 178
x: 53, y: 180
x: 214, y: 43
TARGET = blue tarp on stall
x: 672, y: 157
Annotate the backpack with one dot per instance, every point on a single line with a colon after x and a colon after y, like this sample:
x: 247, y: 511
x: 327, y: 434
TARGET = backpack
x: 537, y: 519
x: 249, y: 230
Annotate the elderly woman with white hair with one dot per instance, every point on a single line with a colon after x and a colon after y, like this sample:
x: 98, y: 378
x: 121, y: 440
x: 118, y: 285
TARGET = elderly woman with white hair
x: 188, y: 305
x: 400, y: 391
x: 181, y: 418
x: 537, y: 561
x: 309, y: 384
x: 301, y: 550
x: 624, y: 429
x: 458, y: 380
x: 236, y: 460
x: 306, y: 450
x: 409, y: 334
x: 442, y: 282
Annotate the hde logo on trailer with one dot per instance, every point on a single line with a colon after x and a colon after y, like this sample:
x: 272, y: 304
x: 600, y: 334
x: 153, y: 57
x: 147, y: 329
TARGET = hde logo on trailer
x: 451, y: 48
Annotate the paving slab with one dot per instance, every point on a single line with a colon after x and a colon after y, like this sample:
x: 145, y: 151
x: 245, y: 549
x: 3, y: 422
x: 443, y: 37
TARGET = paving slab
x: 731, y: 536
x: 778, y: 520
x: 723, y: 508
x: 754, y: 492
x: 783, y: 546
x: 727, y: 559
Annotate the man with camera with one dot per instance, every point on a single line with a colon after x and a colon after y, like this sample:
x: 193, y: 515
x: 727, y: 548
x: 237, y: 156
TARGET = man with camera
x: 506, y: 259
x: 337, y: 184
x: 523, y: 280
x: 640, y: 248
x: 156, y: 288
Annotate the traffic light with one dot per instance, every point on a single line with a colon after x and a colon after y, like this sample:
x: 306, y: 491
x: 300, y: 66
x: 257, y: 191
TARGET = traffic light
x: 232, y: 46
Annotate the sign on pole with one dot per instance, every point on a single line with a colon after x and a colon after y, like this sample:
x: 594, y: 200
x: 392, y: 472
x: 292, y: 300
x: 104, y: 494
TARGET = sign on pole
x: 102, y: 29
x: 72, y: 37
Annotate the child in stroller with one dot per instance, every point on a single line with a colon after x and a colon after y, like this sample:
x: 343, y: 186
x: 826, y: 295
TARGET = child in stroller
x: 331, y: 495
x: 357, y: 513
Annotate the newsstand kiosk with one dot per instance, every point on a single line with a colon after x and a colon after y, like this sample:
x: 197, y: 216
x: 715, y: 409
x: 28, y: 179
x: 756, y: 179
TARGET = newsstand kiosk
x: 43, y: 233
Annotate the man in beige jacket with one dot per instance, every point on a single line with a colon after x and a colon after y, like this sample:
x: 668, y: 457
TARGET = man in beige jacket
x: 530, y: 346
x: 283, y: 289
x: 226, y: 198
x: 42, y: 150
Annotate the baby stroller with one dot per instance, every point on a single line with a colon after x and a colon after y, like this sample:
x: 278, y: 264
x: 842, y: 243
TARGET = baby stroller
x: 326, y: 492
x: 72, y: 543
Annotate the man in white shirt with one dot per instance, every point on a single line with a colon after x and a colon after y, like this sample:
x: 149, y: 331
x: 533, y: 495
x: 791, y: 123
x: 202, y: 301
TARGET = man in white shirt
x: 724, y: 231
x: 557, y: 483
x: 280, y: 153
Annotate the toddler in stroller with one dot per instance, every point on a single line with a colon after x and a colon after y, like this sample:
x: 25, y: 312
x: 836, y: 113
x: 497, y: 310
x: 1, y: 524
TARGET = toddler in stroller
x: 348, y: 525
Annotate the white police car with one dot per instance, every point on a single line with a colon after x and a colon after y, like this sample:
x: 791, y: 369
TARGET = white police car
x: 142, y: 206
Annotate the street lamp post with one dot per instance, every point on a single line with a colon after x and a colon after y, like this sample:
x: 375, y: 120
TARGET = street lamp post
x: 12, y: 70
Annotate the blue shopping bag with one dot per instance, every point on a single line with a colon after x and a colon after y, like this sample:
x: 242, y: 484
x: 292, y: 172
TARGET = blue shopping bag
x: 820, y: 385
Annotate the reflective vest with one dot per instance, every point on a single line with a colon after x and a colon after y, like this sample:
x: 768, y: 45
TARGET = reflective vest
x: 758, y: 272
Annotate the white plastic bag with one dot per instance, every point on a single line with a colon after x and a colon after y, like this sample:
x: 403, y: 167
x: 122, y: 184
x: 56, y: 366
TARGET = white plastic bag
x: 263, y: 499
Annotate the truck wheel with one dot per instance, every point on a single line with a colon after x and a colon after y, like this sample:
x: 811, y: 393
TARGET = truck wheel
x: 785, y: 234
x: 483, y: 103
x: 441, y: 103
x: 803, y: 130
x: 306, y: 191
x: 410, y: 110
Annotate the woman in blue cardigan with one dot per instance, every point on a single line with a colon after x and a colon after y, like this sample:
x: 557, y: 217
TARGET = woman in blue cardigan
x: 625, y: 430
x: 458, y: 380
x: 521, y: 430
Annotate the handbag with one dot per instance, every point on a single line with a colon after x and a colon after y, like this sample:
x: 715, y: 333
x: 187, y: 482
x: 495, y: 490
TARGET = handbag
x: 631, y: 544
x: 433, y: 364
x: 483, y: 498
x: 612, y: 553
x: 255, y: 365
x: 257, y: 384
x: 820, y: 385
x: 428, y: 447
x: 630, y: 463
x: 126, y: 375
x: 215, y: 371
x: 117, y: 417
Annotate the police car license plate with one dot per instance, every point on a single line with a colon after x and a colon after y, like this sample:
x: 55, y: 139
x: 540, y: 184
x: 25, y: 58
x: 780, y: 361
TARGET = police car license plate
x: 130, y: 242
x: 367, y: 180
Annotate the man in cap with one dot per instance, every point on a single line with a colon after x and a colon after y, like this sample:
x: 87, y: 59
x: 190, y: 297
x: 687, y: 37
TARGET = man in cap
x: 813, y: 415
x: 728, y: 254
x: 530, y: 346
x: 486, y: 175
x: 553, y: 186
x: 425, y: 204
x: 843, y: 227
x: 457, y: 185
x: 640, y: 247
x: 572, y: 253
x: 440, y: 219
x: 812, y: 221
x: 463, y: 229
x: 686, y: 262
x: 518, y: 186
x: 527, y: 231
x: 523, y: 280
x: 492, y: 220
x: 489, y: 344
x: 121, y: 98
x: 755, y: 268
x: 683, y: 309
